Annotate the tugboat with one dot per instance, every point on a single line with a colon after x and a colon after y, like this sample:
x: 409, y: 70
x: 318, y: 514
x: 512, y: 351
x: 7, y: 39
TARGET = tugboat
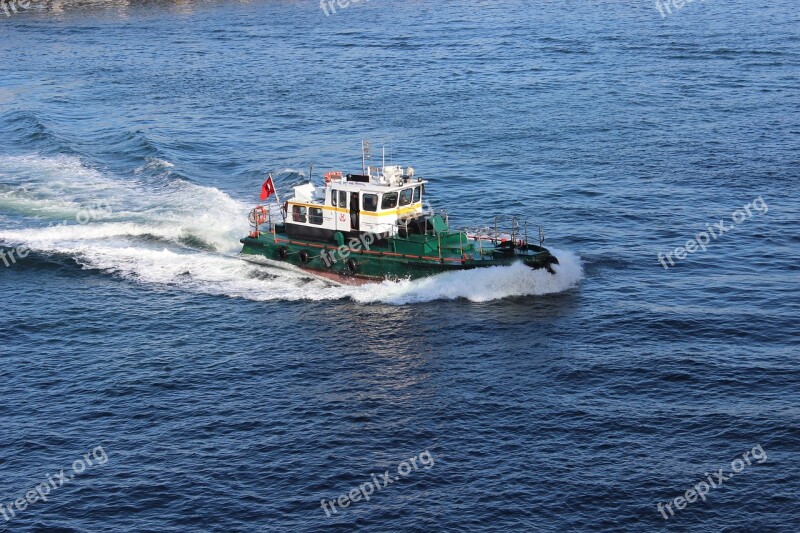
x: 373, y: 226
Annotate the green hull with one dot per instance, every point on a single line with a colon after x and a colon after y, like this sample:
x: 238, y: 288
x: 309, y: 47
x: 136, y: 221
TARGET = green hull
x: 415, y: 256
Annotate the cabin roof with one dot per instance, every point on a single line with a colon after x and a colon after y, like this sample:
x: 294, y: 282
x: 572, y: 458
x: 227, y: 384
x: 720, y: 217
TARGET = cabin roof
x: 346, y: 185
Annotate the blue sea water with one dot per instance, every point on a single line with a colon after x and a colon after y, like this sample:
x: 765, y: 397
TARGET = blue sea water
x: 227, y: 396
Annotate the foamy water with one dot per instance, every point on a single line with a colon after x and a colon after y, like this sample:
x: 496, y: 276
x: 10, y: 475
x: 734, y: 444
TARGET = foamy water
x: 187, y: 236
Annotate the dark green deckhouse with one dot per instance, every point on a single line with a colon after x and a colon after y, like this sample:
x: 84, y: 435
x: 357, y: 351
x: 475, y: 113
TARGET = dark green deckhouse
x: 372, y: 226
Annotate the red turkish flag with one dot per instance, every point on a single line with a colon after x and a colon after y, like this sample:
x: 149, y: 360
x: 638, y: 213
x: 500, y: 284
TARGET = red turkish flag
x: 268, y: 189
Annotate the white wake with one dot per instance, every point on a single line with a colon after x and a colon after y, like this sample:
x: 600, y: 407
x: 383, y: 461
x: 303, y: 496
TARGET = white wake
x: 187, y: 236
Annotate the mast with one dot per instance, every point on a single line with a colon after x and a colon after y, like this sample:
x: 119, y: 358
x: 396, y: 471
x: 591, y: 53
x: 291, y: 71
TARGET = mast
x: 366, y: 154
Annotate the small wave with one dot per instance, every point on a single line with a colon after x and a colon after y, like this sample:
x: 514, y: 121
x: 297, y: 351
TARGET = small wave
x: 154, y: 164
x: 30, y: 130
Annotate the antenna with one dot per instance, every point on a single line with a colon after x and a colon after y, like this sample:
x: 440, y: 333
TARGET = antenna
x: 383, y: 156
x: 310, y: 168
x: 366, y: 155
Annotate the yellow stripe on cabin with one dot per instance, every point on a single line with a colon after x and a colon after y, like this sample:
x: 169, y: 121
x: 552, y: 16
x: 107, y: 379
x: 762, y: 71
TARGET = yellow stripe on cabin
x: 393, y: 212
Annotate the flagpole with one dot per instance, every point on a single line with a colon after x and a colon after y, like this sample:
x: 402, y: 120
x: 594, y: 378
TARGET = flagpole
x: 277, y: 198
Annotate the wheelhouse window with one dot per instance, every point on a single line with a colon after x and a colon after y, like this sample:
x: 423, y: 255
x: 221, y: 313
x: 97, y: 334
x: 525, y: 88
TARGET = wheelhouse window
x: 299, y: 214
x: 417, y: 195
x: 342, y: 199
x: 389, y: 200
x: 370, y: 202
x: 334, y: 195
x: 405, y: 196
x: 315, y: 215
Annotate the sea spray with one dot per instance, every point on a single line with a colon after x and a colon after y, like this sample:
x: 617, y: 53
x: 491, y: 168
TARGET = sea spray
x: 146, y: 242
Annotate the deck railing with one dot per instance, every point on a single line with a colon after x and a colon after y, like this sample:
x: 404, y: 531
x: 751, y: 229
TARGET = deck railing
x: 507, y: 229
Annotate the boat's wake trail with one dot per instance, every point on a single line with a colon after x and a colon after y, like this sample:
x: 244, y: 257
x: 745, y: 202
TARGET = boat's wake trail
x: 186, y: 236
